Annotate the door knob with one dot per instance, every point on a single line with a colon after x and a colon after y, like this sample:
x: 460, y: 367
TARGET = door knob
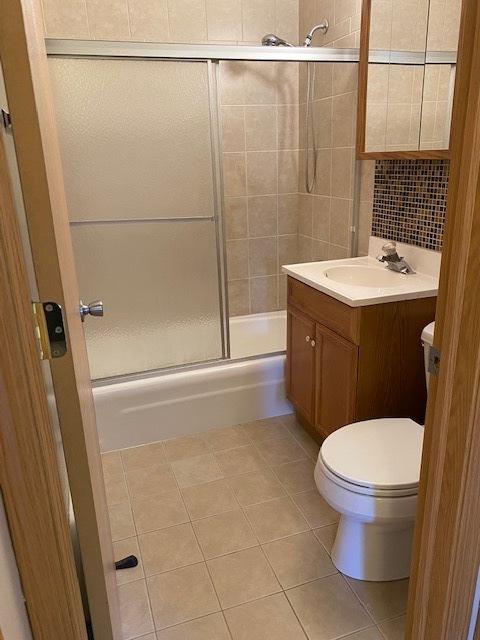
x: 95, y: 308
x: 307, y: 338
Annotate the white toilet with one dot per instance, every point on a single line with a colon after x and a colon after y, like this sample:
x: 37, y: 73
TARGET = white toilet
x: 369, y: 472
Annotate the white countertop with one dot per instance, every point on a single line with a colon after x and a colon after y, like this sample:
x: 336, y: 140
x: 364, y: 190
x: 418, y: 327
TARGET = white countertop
x: 409, y: 287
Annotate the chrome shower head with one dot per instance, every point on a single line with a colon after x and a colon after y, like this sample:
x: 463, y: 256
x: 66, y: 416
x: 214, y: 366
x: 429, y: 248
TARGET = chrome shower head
x: 272, y: 40
x: 323, y: 27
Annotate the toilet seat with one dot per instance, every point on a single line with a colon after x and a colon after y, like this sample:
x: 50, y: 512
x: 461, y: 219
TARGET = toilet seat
x: 379, y: 457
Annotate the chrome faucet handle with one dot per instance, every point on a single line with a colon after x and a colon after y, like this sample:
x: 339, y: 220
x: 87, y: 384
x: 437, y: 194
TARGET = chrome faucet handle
x: 389, y: 248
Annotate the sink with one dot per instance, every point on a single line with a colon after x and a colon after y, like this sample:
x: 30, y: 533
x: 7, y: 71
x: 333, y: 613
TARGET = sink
x: 363, y: 276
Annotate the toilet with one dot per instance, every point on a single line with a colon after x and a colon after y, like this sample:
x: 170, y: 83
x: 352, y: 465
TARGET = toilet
x: 369, y: 472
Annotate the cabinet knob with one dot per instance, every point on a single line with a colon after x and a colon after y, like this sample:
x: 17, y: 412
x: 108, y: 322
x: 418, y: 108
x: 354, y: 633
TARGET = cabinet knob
x: 307, y: 338
x: 312, y: 342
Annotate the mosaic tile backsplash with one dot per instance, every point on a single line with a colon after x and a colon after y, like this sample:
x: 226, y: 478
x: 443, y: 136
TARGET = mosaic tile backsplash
x: 410, y: 201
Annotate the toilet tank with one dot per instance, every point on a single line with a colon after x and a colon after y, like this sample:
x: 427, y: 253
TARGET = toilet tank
x: 427, y: 341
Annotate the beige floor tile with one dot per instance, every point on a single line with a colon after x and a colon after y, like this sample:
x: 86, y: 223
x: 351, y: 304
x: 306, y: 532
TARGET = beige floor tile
x: 151, y: 636
x: 233, y: 462
x: 121, y: 521
x: 296, y: 476
x: 269, y: 618
x: 122, y: 549
x: 327, y: 535
x: 276, y: 519
x: 298, y: 432
x: 196, y: 470
x: 134, y: 609
x: 188, y: 447
x: 280, y: 450
x: 181, y: 595
x: 383, y: 600
x: 265, y: 429
x: 224, y: 533
x: 160, y: 511
x: 169, y: 549
x: 116, y: 489
x: 228, y: 438
x: 255, y: 487
x: 211, y: 627
x: 367, y: 634
x: 393, y: 629
x: 315, y: 509
x: 242, y: 576
x: 328, y: 609
x: 298, y: 559
x: 209, y: 499
x: 150, y: 481
x: 112, y: 465
x: 144, y: 456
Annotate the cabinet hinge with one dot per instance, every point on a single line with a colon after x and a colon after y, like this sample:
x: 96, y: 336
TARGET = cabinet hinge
x: 434, y: 355
x: 7, y: 122
x: 50, y: 330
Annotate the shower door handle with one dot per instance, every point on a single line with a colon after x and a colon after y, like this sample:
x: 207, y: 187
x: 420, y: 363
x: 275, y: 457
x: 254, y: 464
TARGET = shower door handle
x: 93, y: 309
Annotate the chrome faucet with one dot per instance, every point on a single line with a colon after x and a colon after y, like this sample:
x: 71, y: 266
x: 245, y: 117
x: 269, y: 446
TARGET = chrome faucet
x: 393, y: 260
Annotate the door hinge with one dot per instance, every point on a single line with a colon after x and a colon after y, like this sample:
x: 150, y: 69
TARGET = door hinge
x: 434, y: 355
x: 7, y: 121
x: 50, y: 330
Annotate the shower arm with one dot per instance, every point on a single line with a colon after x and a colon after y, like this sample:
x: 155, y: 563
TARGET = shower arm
x: 323, y: 27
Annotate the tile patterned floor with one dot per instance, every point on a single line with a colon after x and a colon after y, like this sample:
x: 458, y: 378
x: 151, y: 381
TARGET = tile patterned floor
x: 234, y: 541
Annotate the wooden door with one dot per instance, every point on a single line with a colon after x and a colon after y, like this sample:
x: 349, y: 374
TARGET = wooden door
x: 24, y: 63
x: 301, y: 362
x: 446, y: 555
x: 336, y: 380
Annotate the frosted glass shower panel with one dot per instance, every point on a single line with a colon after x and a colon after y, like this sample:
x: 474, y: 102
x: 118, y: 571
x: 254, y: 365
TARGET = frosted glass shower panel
x: 159, y: 285
x: 135, y: 137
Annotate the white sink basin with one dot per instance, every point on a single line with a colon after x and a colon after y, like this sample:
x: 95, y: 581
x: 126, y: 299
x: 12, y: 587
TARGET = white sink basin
x: 361, y: 276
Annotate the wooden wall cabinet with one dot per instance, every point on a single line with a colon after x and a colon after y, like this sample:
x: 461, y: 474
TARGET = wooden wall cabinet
x: 346, y: 364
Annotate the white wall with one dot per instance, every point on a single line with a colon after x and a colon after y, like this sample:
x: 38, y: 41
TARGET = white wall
x: 13, y: 615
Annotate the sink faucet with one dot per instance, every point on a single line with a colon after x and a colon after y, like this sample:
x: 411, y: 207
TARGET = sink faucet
x: 393, y: 260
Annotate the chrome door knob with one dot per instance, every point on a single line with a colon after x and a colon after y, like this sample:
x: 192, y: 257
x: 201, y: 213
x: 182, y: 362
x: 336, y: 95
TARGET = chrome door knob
x: 95, y: 308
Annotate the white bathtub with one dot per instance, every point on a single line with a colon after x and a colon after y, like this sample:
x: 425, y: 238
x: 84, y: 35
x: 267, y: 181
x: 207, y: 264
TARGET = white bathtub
x: 142, y: 410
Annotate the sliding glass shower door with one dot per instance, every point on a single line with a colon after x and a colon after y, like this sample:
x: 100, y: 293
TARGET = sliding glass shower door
x: 142, y: 193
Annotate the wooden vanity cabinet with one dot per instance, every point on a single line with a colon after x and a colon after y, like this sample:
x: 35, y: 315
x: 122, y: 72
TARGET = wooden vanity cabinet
x: 346, y: 364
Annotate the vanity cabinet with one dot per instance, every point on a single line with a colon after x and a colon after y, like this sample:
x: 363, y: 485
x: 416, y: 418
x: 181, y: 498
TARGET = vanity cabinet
x: 346, y: 364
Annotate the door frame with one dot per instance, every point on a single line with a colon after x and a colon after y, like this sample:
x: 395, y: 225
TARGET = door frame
x: 29, y: 471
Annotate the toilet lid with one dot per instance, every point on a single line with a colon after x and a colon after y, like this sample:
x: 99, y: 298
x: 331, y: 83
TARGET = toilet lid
x: 383, y: 454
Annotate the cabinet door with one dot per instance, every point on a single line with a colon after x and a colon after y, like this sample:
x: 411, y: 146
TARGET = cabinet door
x: 336, y: 380
x: 301, y: 363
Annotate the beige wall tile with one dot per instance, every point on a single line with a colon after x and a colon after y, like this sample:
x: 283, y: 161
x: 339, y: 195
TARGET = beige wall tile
x: 304, y: 249
x: 286, y: 19
x: 224, y: 20
x: 323, y: 122
x: 288, y: 126
x: 263, y: 256
x: 340, y: 221
x: 321, y: 218
x: 288, y: 163
x: 342, y: 169
x: 264, y: 294
x: 234, y: 174
x: 262, y: 216
x: 108, y: 19
x: 325, y: 172
x: 149, y: 20
x: 237, y: 259
x: 239, y: 297
x: 260, y: 80
x: 320, y: 250
x: 188, y: 20
x: 261, y: 172
x: 231, y: 84
x: 287, y: 250
x: 260, y: 128
x: 235, y: 218
x: 233, y: 128
x: 258, y: 18
x: 365, y: 226
x: 288, y: 214
x: 344, y: 111
x: 65, y: 19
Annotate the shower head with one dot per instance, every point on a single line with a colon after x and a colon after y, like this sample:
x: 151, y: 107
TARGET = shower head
x: 271, y: 40
x: 323, y: 27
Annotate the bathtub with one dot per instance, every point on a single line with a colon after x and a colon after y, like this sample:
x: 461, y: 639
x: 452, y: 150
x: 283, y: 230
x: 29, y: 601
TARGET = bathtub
x: 248, y: 387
